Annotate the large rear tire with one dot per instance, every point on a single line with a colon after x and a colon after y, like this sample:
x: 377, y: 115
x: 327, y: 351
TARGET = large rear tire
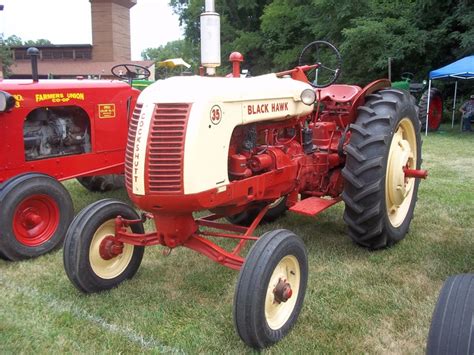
x: 102, y: 183
x: 436, y: 109
x: 452, y: 326
x: 271, y: 288
x: 35, y: 212
x: 276, y: 210
x: 379, y: 199
x: 89, y: 237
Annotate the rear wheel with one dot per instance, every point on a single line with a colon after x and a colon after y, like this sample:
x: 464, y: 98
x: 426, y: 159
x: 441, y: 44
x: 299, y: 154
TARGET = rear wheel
x: 102, y: 183
x: 379, y: 199
x: 93, y: 260
x: 35, y: 212
x: 271, y: 288
x: 277, y: 209
x: 452, y: 326
x: 436, y: 109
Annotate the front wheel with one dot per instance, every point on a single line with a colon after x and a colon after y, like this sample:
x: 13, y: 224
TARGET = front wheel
x: 35, y: 212
x: 93, y: 261
x: 379, y: 198
x: 271, y: 288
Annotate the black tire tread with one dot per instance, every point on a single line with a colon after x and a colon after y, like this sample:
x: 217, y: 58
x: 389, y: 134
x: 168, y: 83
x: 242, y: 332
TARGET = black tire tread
x: 452, y: 327
x: 73, y: 245
x: 364, y: 172
x: 248, y: 285
x: 10, y: 249
x: 422, y: 106
x: 102, y: 183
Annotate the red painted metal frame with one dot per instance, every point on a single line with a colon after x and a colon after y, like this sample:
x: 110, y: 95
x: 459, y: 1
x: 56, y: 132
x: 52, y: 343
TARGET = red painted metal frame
x: 106, y: 156
x: 196, y: 241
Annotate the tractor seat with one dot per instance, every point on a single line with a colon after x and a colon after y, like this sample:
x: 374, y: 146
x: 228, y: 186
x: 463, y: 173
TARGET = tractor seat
x: 339, y: 92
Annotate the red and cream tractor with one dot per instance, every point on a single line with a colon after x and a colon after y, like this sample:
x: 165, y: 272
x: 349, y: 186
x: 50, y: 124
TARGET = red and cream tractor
x: 54, y: 130
x: 246, y: 149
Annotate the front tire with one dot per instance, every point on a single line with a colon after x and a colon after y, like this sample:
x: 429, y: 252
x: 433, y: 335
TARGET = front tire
x: 379, y: 199
x: 271, y: 288
x: 85, y: 266
x: 452, y: 327
x: 35, y: 212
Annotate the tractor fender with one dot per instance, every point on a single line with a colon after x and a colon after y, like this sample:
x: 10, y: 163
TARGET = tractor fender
x: 359, y: 99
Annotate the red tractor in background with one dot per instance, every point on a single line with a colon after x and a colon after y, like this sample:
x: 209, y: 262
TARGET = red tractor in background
x: 51, y: 131
x: 247, y: 149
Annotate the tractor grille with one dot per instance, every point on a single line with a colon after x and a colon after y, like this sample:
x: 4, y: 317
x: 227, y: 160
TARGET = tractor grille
x: 166, y: 148
x: 132, y: 131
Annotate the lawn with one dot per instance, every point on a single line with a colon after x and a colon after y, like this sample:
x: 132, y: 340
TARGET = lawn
x: 356, y: 302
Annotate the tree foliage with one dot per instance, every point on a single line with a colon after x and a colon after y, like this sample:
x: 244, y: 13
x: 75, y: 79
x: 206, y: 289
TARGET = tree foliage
x: 6, y: 55
x: 174, y: 49
x: 418, y: 35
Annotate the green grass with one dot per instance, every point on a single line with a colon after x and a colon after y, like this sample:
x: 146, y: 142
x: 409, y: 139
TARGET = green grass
x: 357, y: 301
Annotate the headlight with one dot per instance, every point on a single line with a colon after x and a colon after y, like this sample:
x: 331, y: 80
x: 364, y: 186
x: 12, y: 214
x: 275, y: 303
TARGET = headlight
x: 308, y: 96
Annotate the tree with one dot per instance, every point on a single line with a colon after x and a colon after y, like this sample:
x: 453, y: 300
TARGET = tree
x: 13, y: 41
x: 6, y: 57
x: 173, y: 49
x: 417, y: 34
x: 240, y: 26
x: 37, y: 42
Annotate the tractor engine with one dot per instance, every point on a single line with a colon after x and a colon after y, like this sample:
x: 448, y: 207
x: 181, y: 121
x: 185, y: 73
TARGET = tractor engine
x: 225, y: 144
x: 56, y: 131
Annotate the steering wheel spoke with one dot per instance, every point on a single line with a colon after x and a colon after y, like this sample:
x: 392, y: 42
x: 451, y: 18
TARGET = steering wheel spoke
x: 319, y: 52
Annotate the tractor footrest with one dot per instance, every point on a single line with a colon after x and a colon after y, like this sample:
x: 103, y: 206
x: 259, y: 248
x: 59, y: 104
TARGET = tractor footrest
x: 311, y: 206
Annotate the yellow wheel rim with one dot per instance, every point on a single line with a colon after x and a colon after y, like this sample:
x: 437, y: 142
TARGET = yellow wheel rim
x: 108, y: 269
x: 277, y: 314
x: 398, y: 188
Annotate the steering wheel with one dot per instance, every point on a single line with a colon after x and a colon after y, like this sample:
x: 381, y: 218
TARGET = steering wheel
x: 408, y: 76
x: 315, y: 54
x: 130, y: 72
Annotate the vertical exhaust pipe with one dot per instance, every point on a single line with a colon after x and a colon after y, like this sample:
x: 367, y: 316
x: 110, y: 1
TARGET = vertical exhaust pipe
x: 34, y: 53
x: 210, y: 38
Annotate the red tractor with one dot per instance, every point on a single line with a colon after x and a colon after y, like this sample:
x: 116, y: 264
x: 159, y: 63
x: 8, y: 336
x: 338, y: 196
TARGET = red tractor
x: 247, y: 149
x: 54, y: 130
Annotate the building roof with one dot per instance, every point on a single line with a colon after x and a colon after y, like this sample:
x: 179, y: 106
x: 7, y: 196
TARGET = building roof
x: 72, y: 68
x: 53, y: 46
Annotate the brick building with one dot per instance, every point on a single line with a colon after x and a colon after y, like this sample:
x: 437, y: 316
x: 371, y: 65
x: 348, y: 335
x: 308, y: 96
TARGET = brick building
x: 111, y: 46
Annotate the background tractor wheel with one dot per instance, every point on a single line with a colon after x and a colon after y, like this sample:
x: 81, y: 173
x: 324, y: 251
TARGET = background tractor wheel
x: 452, y: 327
x: 436, y: 109
x: 385, y: 139
x: 276, y: 210
x: 35, y: 212
x: 102, y: 183
x: 270, y: 289
x: 90, y: 236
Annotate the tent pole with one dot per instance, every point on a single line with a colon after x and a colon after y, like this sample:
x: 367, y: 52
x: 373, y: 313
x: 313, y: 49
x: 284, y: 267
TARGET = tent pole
x: 454, y: 103
x: 428, y: 108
